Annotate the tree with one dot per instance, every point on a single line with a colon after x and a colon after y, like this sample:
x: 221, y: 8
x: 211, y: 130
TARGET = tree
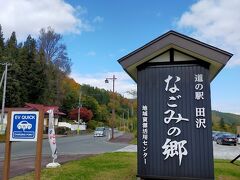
x: 115, y: 103
x: 13, y: 95
x: 92, y: 104
x: 1, y: 43
x: 42, y: 92
x: 27, y: 75
x: 100, y: 95
x: 31, y: 76
x: 58, y: 63
x: 222, y: 124
x: 54, y: 51
x: 85, y: 114
x: 1, y: 55
x: 104, y: 113
x: 71, y: 94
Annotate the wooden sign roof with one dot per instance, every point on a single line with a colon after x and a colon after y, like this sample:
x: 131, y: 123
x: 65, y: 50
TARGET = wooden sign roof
x: 216, y: 57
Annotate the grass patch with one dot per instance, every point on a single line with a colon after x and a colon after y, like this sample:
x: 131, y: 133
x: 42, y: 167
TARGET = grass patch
x: 118, y: 166
x: 107, y: 166
x: 227, y: 171
x: 134, y: 141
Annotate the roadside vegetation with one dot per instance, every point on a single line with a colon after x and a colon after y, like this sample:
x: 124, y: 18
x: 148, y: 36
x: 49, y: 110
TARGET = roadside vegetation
x: 107, y: 166
x: 117, y: 166
x: 226, y: 170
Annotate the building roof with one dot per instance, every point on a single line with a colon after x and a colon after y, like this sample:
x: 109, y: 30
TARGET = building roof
x: 17, y: 109
x: 34, y: 107
x: 217, y: 58
x: 45, y: 108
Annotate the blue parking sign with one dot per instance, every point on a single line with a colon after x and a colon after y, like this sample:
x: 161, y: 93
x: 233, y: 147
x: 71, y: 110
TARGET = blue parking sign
x: 24, y: 126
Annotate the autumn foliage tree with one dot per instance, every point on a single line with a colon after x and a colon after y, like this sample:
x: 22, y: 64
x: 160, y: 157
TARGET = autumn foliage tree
x: 85, y: 114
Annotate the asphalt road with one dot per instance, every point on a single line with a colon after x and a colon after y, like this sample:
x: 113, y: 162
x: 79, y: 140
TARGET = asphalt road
x: 76, y: 147
x: 87, y: 144
x: 219, y: 151
x: 83, y: 144
x: 69, y: 148
x: 225, y: 151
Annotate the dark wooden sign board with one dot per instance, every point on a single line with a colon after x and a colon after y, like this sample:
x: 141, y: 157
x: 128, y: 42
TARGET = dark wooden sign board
x: 173, y: 74
x: 178, y: 116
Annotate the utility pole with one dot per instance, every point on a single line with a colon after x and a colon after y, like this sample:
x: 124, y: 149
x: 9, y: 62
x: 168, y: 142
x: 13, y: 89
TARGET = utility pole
x: 4, y: 76
x: 128, y: 120
x: 79, y: 108
x: 123, y: 122
x: 113, y: 109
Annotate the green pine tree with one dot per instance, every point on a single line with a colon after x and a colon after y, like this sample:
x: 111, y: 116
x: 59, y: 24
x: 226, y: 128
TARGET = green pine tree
x: 1, y: 44
x: 13, y: 94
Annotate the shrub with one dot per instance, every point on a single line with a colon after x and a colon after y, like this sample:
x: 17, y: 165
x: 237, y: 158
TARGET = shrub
x: 93, y: 124
x: 2, y: 138
x: 63, y: 130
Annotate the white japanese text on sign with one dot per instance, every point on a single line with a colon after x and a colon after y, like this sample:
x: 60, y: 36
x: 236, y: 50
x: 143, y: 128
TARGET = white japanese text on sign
x: 199, y: 96
x: 172, y: 147
x: 145, y: 132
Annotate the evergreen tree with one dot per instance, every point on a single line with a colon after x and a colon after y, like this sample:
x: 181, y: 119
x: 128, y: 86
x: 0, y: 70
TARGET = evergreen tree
x: 1, y: 44
x: 222, y: 124
x: 13, y: 95
x: 39, y: 86
x: 40, y: 79
x: 32, y: 72
x: 23, y: 62
x: 1, y: 56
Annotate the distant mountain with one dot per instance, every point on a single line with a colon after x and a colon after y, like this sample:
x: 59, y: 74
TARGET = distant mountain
x: 230, y: 120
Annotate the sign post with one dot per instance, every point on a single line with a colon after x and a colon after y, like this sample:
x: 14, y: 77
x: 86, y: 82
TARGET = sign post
x: 24, y: 126
x: 38, y: 161
x: 8, y: 146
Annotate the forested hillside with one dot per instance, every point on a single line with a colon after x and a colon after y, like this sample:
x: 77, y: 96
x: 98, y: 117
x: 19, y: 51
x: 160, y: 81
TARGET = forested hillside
x: 225, y: 121
x: 39, y: 73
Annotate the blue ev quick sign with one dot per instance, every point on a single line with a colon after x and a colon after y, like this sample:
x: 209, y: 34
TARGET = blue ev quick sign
x: 24, y: 126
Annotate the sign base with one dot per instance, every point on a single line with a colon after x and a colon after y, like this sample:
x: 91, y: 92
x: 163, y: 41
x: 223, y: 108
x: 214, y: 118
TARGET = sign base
x: 53, y: 165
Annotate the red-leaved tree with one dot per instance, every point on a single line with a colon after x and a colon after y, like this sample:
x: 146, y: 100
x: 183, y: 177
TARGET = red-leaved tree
x: 85, y: 114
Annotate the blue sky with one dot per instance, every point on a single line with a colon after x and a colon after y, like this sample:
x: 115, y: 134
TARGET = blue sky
x: 98, y: 33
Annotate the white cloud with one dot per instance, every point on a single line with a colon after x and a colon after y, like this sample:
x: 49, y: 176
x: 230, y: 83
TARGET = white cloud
x: 215, y: 22
x: 91, y: 53
x: 98, y: 19
x: 29, y: 16
x: 226, y: 106
x: 123, y: 83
